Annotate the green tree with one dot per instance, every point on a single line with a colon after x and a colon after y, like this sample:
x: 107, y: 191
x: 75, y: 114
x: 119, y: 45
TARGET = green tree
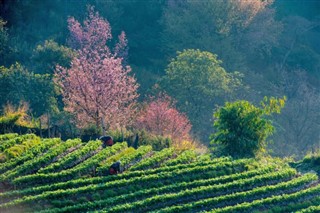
x: 17, y: 84
x: 232, y: 29
x: 242, y: 128
x: 5, y: 49
x: 45, y: 57
x: 198, y: 81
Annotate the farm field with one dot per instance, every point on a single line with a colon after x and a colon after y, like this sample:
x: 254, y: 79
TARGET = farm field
x: 50, y: 175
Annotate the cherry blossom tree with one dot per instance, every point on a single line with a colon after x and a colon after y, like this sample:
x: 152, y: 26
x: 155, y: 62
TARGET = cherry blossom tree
x: 97, y: 88
x: 160, y: 117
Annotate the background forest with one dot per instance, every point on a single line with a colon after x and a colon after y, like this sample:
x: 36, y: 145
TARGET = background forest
x: 200, y: 53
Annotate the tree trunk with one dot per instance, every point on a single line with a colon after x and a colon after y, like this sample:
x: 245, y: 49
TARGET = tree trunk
x: 49, y: 134
x: 103, y: 126
x: 40, y: 128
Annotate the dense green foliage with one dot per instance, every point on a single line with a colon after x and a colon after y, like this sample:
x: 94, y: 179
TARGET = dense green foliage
x: 273, y: 44
x: 198, y: 81
x: 310, y: 162
x: 164, y: 181
x: 242, y: 128
x: 18, y: 84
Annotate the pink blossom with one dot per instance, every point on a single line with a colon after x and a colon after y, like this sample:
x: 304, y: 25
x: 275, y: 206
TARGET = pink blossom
x: 97, y: 88
x: 160, y: 117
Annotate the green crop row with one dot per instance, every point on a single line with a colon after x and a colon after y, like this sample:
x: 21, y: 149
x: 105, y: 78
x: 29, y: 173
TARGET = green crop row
x: 18, y: 149
x: 15, y: 140
x: 178, y: 170
x: 155, y: 178
x: 29, y: 154
x: 7, y: 136
x: 202, y: 192
x: 185, y: 157
x: 239, y: 197
x: 142, y: 190
x: 35, y: 164
x: 311, y: 209
x: 125, y: 159
x: 282, y: 199
x: 154, y: 160
x: 73, y: 158
x: 106, y: 165
x: 293, y: 206
x: 140, y: 152
x: 85, y: 168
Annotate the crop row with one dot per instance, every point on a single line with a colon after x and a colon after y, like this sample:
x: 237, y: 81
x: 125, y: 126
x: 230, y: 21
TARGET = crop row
x: 106, y: 165
x: 144, y: 190
x: 154, y: 161
x: 185, y: 157
x: 293, y: 206
x: 15, y: 140
x: 156, y: 179
x: 310, y: 209
x: 43, y: 147
x: 238, y: 197
x: 85, y: 168
x: 125, y: 158
x: 73, y: 158
x: 179, y: 171
x: 18, y: 149
x: 35, y: 164
x: 7, y: 136
x: 201, y: 192
x: 282, y: 199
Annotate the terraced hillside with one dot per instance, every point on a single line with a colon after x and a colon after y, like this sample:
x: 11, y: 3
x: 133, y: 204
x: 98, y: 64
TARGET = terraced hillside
x: 50, y: 175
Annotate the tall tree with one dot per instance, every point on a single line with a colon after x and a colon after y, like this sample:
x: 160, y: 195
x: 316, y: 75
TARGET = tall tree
x: 45, y: 57
x: 198, y: 82
x: 222, y: 27
x: 298, y: 123
x: 97, y: 88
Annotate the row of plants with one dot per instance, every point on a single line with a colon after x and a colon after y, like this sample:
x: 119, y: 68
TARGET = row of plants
x: 4, y: 137
x: 157, y: 179
x: 154, y: 185
x: 143, y: 190
x: 177, y: 170
x: 310, y: 209
x: 43, y: 147
x: 292, y: 185
x: 18, y: 149
x: 5, y: 144
x: 282, y: 199
x: 87, y: 167
x: 154, y: 161
x: 107, y: 163
x: 185, y: 157
x: 126, y: 158
x: 293, y: 206
x: 73, y: 158
x: 201, y: 192
x: 35, y: 164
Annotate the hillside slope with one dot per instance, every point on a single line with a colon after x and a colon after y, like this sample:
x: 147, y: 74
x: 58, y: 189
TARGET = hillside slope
x: 71, y: 176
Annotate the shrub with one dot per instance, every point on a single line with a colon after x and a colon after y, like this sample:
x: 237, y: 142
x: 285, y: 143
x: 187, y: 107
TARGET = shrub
x: 242, y: 128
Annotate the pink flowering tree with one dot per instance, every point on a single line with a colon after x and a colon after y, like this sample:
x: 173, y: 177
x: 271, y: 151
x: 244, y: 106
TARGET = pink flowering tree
x: 97, y: 88
x: 160, y: 117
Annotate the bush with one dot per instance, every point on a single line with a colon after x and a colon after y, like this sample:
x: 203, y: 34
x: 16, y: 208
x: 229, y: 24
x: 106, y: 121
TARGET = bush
x: 313, y: 158
x: 157, y: 142
x: 242, y: 128
x: 91, y: 132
